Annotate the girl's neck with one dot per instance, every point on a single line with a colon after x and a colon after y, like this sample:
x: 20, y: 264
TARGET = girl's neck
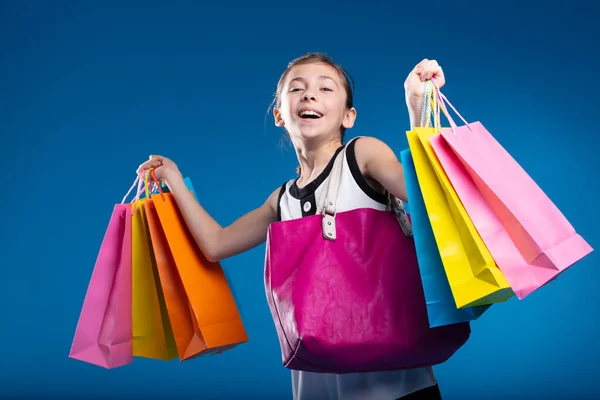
x: 313, y: 157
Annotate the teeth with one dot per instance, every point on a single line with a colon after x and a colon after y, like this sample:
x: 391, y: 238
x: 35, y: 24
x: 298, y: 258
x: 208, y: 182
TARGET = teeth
x: 310, y: 113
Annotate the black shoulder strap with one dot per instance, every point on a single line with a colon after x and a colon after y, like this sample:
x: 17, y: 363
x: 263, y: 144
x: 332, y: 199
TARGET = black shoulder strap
x: 281, y: 193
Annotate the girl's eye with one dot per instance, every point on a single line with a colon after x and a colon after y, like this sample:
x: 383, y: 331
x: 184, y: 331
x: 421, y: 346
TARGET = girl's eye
x: 327, y: 89
x: 294, y: 89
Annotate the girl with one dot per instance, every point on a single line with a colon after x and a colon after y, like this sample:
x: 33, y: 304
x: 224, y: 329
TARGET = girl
x: 314, y: 104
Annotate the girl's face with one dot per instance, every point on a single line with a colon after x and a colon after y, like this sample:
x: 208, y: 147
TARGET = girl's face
x: 313, y: 103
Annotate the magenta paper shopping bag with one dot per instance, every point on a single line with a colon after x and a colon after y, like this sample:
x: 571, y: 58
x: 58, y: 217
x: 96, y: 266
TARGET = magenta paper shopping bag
x: 539, y: 231
x: 104, y: 332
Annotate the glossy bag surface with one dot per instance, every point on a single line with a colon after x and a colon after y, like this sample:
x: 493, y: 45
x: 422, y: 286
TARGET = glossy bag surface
x: 346, y: 295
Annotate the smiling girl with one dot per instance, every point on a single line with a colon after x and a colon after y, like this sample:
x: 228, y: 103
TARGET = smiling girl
x: 314, y: 104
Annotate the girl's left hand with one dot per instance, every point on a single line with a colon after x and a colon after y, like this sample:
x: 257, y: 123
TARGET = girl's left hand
x: 414, y: 84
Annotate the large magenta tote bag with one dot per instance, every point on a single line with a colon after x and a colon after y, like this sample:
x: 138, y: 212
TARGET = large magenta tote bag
x: 345, y: 291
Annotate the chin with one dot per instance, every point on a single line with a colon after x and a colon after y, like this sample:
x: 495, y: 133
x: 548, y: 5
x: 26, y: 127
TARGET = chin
x: 312, y: 132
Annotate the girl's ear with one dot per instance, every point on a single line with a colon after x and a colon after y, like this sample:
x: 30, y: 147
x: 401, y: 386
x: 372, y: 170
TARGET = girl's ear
x: 278, y: 118
x: 349, y: 118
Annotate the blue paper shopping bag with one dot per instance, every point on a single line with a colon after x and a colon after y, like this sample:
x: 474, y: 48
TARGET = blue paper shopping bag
x: 441, y: 308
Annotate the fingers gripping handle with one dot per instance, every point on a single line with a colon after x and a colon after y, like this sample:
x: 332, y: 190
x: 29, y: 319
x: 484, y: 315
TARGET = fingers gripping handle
x: 143, y: 185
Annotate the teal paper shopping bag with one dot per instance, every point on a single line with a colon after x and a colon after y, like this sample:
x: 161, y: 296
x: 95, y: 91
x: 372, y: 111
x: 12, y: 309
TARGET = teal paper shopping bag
x: 441, y: 308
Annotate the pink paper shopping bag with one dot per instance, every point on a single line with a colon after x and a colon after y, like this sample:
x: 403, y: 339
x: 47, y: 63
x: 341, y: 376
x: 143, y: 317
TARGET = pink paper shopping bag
x: 104, y: 331
x: 521, y: 226
x: 522, y: 276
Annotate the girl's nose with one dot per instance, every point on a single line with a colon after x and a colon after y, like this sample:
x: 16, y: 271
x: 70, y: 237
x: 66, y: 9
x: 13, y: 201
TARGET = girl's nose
x: 308, y: 96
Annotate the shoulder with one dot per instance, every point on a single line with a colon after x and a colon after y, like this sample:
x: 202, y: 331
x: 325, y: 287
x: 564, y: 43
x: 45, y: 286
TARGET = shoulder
x: 369, y: 149
x: 370, y: 144
x: 378, y: 163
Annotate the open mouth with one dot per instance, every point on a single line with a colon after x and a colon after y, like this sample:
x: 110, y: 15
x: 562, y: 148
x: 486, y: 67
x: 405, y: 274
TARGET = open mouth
x: 309, y: 114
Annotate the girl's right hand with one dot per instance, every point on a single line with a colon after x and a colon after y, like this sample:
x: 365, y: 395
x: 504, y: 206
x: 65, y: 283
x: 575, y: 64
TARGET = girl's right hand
x: 165, y: 169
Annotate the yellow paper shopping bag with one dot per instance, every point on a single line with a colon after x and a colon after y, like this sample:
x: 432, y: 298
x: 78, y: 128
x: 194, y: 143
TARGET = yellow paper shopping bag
x: 472, y: 273
x: 152, y: 333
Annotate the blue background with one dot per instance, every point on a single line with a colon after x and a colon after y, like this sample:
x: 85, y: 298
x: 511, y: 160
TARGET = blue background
x: 88, y: 89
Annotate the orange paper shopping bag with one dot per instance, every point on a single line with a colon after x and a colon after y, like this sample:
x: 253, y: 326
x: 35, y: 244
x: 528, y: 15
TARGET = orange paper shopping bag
x: 188, y: 337
x: 217, y: 322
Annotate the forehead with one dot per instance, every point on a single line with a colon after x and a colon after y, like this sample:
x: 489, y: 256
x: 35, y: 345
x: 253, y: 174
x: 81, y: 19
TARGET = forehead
x: 313, y: 70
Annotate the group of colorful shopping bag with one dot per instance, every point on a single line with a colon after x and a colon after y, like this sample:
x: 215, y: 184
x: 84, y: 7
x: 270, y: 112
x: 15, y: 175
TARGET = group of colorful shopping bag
x: 152, y: 293
x: 484, y: 231
x: 481, y: 232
